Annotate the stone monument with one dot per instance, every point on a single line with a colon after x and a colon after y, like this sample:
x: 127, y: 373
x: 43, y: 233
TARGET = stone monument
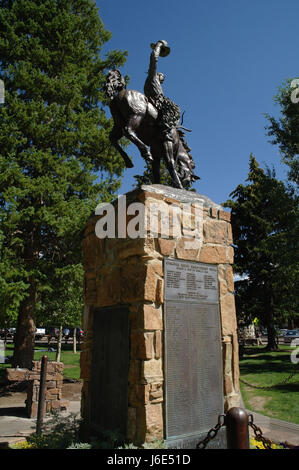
x: 160, y: 353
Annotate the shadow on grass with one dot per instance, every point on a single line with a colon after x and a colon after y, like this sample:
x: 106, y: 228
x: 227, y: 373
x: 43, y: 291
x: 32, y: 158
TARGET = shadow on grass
x: 269, y: 367
x: 258, y: 361
x: 258, y: 352
x: 64, y: 347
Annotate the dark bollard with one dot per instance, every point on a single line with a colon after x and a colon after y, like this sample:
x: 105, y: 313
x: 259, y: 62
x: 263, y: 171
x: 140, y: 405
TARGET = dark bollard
x: 236, y: 421
x: 41, y: 397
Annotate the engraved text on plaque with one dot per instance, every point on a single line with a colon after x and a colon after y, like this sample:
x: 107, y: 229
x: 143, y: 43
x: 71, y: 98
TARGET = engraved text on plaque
x: 193, y: 358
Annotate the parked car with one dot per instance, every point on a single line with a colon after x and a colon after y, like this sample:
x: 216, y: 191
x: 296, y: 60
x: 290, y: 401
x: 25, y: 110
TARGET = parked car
x: 283, y: 331
x: 2, y: 332
x: 10, y: 332
x: 79, y: 333
x: 40, y: 333
x: 290, y: 335
x: 52, y: 331
x: 68, y: 332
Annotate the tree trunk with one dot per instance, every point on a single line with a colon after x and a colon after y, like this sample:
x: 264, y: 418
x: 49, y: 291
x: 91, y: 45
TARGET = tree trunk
x: 5, y: 338
x: 59, y: 341
x: 25, y: 331
x: 75, y: 341
x: 272, y: 342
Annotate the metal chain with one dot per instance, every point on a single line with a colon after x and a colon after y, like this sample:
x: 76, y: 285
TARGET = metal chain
x: 267, y: 443
x: 268, y: 387
x: 212, y: 433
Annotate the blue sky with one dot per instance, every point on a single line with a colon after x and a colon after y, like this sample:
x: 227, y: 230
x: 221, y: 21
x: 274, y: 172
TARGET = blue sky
x: 227, y: 60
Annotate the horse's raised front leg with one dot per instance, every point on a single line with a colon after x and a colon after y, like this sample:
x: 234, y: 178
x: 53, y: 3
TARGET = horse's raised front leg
x: 168, y: 147
x: 114, y: 137
x: 129, y: 132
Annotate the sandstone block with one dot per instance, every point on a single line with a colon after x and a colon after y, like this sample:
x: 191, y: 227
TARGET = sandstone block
x: 228, y: 385
x: 214, y: 254
x: 230, y: 279
x: 229, y: 234
x: 152, y: 318
x: 156, y: 392
x: 142, y: 345
x: 152, y: 371
x: 160, y: 291
x: 131, y: 282
x: 230, y: 255
x: 214, y: 212
x: 158, y: 267
x: 214, y: 231
x: 188, y: 248
x: 166, y: 247
x: 16, y: 374
x: 153, y: 422
x: 158, y: 344
x: 228, y: 314
x: 223, y: 215
x: 150, y: 284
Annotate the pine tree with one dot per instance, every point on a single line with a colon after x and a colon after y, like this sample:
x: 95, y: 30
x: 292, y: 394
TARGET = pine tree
x: 285, y: 129
x: 56, y: 162
x: 265, y: 227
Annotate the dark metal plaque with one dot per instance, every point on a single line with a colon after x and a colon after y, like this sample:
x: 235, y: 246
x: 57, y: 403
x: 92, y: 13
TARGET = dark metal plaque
x: 109, y: 373
x: 193, y: 357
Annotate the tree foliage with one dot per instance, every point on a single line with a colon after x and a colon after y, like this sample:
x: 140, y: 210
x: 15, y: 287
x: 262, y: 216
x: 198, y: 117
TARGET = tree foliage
x: 56, y: 162
x: 265, y: 226
x: 285, y: 129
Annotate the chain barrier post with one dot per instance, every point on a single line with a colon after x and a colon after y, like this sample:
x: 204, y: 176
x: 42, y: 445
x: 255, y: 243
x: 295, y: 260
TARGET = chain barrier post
x: 41, y: 397
x: 236, y: 422
x: 267, y: 443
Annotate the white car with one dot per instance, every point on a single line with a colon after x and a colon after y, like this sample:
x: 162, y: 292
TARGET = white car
x: 290, y: 335
x: 40, y: 333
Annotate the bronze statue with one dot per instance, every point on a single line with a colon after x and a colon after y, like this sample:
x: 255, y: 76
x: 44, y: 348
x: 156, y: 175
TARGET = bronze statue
x: 151, y: 122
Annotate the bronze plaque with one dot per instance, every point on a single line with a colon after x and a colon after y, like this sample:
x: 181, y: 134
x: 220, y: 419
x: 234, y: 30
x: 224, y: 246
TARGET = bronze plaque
x: 193, y: 357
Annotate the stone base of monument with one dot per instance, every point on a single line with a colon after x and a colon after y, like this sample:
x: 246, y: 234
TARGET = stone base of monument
x: 190, y: 442
x: 160, y: 352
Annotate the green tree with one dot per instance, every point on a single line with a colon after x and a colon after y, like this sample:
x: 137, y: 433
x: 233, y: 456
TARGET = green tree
x: 285, y: 129
x: 56, y: 162
x: 264, y: 219
x: 61, y: 303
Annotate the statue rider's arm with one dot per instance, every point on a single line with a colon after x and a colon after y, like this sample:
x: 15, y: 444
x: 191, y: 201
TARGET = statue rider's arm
x: 154, y: 59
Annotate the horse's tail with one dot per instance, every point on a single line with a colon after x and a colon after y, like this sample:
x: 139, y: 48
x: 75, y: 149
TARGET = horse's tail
x: 185, y: 161
x: 114, y: 83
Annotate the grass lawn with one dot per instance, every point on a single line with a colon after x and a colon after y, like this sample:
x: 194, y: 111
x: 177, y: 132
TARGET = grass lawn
x: 71, y: 361
x: 262, y: 368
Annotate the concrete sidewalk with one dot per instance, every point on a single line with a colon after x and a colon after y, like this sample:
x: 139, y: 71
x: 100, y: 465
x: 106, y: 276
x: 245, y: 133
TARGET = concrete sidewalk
x: 275, y: 429
x: 14, y: 426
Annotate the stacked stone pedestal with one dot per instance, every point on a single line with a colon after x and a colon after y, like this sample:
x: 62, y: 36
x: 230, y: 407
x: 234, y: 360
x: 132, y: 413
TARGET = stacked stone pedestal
x: 54, y: 382
x: 129, y: 272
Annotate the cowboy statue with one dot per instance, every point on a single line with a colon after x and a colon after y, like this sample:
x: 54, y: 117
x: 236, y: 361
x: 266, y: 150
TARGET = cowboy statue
x: 151, y: 122
x: 168, y: 112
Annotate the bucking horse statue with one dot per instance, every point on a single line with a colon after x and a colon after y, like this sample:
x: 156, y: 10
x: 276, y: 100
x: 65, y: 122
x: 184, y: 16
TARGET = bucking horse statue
x: 151, y: 122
